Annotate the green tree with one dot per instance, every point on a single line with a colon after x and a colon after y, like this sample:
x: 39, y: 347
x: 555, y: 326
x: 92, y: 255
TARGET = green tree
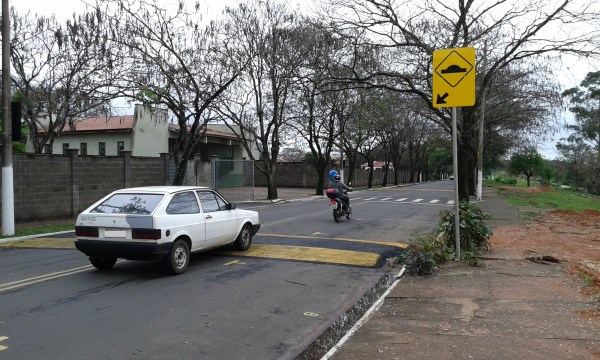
x: 527, y: 162
x: 585, y: 105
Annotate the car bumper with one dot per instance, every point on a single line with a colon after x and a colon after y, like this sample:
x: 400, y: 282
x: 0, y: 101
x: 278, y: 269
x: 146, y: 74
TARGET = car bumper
x: 255, y: 229
x: 123, y: 250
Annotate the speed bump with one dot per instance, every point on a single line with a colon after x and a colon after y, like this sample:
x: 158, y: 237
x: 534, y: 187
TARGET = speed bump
x: 310, y: 254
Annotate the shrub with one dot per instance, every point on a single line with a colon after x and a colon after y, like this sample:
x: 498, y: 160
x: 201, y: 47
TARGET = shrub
x: 474, y: 233
x: 424, y: 253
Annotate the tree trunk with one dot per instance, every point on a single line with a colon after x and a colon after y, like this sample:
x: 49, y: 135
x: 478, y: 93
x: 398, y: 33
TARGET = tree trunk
x: 271, y: 186
x: 320, y: 179
x: 180, y: 172
x: 463, y: 173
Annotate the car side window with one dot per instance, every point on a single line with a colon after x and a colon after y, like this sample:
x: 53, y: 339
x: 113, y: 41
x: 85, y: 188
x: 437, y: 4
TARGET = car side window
x: 183, y: 203
x: 208, y: 201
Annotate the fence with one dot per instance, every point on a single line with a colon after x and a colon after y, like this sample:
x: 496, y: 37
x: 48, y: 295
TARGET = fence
x: 234, y: 179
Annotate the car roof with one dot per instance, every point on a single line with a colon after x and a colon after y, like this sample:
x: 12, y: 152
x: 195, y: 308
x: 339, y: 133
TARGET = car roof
x: 169, y: 189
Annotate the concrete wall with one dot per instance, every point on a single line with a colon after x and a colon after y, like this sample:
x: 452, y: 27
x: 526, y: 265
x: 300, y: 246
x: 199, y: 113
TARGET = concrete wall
x: 60, y: 186
x: 150, y: 135
x: 299, y: 174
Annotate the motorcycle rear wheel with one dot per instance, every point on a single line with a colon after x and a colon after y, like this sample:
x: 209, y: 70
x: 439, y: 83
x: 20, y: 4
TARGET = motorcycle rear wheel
x: 337, y: 215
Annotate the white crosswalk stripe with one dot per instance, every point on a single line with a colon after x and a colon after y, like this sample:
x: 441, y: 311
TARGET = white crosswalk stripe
x: 417, y: 200
x: 450, y: 202
x: 403, y: 199
x: 384, y: 199
x: 435, y: 201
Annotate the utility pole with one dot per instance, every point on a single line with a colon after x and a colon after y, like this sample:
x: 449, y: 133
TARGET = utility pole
x: 481, y: 122
x: 8, y: 195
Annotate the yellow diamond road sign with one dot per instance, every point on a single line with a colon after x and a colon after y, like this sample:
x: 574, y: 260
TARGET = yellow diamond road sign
x: 454, y: 77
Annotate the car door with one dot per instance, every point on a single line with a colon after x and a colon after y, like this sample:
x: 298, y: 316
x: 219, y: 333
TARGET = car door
x: 221, y: 224
x: 184, y: 216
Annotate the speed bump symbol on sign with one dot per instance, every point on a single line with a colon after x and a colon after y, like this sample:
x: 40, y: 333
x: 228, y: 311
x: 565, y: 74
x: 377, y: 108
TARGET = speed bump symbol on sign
x: 454, y: 77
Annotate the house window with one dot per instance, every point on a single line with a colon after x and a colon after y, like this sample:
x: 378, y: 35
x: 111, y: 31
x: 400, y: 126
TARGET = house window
x: 120, y: 146
x: 47, y: 149
x: 65, y: 148
x: 83, y: 147
x: 102, y: 149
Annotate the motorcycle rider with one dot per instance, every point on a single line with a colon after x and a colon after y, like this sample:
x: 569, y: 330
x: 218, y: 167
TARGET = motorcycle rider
x: 338, y: 185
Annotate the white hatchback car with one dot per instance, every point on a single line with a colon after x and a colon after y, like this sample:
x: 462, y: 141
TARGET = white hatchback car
x: 161, y: 222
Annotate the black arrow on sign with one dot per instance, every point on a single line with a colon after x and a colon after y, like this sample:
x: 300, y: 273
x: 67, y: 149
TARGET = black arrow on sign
x: 441, y: 99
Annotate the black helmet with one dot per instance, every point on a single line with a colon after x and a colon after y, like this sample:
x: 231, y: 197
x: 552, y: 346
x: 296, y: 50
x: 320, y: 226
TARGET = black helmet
x: 336, y: 177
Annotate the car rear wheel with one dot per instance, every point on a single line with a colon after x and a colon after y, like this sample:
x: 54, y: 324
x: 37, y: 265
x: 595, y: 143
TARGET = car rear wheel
x: 102, y: 263
x: 179, y: 257
x: 244, y: 239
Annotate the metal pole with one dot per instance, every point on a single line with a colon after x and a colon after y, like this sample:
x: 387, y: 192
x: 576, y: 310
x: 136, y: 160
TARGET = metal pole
x: 8, y: 200
x: 455, y: 163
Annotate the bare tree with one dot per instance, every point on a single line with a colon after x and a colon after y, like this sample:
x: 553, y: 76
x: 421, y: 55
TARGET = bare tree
x: 61, y: 72
x: 322, y: 107
x: 268, y: 36
x: 519, y: 33
x: 175, y: 61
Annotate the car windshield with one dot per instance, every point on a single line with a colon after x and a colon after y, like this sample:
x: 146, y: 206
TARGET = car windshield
x: 129, y: 204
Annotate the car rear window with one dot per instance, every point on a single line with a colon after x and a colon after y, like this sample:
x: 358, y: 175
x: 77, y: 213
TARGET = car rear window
x: 129, y: 204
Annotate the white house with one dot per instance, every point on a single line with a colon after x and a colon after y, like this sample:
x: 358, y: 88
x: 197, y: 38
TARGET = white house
x: 145, y: 133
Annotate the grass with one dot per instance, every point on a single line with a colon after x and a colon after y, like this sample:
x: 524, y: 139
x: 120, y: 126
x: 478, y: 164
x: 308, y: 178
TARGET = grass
x: 39, y: 228
x: 549, y: 199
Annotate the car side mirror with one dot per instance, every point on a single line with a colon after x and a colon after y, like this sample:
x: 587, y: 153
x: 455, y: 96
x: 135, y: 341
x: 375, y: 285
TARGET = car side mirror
x: 230, y: 206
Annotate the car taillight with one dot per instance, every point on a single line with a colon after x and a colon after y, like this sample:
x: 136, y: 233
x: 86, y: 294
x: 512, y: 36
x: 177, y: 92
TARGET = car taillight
x: 86, y: 231
x: 145, y: 234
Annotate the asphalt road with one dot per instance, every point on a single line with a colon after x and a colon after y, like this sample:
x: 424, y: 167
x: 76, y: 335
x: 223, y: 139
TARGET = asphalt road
x: 302, y: 272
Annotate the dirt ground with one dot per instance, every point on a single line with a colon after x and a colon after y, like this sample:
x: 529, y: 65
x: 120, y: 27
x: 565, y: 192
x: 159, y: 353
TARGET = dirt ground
x: 569, y: 237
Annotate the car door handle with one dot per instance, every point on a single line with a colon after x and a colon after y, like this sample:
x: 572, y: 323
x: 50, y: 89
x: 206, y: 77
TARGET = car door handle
x: 208, y: 217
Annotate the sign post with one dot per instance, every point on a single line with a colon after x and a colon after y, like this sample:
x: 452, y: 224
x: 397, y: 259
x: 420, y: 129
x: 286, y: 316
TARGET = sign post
x: 454, y: 85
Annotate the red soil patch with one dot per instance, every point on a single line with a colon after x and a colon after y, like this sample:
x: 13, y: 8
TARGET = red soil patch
x: 573, y: 237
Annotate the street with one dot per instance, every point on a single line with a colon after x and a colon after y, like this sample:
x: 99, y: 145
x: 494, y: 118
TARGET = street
x: 301, y: 273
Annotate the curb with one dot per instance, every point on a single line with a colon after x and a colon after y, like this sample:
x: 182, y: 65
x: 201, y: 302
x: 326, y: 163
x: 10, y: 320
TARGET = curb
x: 332, y: 335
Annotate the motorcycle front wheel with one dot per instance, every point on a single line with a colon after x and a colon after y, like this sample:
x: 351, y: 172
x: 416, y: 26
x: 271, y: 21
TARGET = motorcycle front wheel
x: 349, y: 212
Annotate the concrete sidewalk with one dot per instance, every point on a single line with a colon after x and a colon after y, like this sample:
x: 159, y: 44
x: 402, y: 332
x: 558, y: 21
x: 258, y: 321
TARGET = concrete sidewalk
x: 508, y: 308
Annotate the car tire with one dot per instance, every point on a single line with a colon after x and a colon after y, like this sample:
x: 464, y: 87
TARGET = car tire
x: 178, y: 258
x: 102, y: 263
x: 244, y: 239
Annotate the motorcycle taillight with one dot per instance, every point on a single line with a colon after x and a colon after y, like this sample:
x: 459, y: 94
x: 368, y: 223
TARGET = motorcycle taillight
x: 332, y: 201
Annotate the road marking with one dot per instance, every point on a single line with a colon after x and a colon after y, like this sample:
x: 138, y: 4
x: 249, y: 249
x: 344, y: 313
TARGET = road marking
x: 434, y: 201
x: 386, y: 199
x: 372, y: 198
x: 450, y: 202
x: 310, y: 313
x: 403, y: 199
x: 400, y: 245
x: 417, y: 200
x: 312, y: 254
x: 234, y: 262
x: 45, y: 277
x: 2, y: 338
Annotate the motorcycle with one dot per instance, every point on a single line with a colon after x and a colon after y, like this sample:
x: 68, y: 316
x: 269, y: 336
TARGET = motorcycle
x: 337, y: 205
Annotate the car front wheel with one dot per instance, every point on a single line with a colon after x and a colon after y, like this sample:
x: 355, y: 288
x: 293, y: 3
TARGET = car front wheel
x: 102, y: 263
x: 179, y: 257
x: 244, y: 239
